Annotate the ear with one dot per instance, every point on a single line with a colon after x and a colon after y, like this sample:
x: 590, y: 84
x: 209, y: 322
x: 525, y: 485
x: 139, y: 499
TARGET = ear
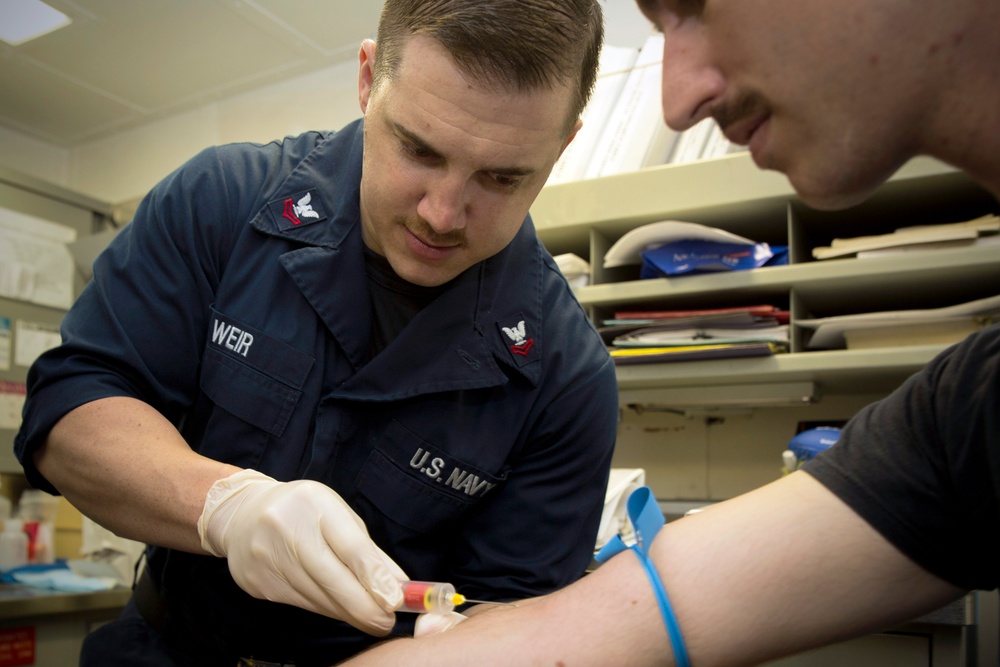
x: 576, y: 128
x: 366, y: 66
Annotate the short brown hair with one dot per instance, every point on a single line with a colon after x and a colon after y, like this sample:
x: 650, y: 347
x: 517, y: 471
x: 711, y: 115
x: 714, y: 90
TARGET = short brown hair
x: 509, y: 44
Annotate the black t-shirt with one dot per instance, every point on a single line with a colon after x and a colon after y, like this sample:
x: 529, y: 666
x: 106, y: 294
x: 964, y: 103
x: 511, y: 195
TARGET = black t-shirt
x: 394, y: 301
x: 922, y: 466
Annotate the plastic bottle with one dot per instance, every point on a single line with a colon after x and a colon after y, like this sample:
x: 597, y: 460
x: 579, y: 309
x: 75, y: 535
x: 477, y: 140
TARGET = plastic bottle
x: 13, y: 545
x: 37, y: 511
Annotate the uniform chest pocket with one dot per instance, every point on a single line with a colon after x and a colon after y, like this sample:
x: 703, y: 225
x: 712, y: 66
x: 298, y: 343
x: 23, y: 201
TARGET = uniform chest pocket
x: 418, y: 485
x: 251, y: 375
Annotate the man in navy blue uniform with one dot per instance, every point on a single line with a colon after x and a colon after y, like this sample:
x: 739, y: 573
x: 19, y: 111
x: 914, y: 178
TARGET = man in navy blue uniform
x: 311, y: 369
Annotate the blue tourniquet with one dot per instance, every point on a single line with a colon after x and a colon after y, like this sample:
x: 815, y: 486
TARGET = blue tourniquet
x: 647, y: 519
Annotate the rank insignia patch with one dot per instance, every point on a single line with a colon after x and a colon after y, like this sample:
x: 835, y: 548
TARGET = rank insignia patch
x: 297, y: 210
x: 520, y: 344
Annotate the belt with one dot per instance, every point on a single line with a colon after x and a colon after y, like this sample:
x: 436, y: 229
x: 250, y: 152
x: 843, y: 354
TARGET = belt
x: 149, y: 602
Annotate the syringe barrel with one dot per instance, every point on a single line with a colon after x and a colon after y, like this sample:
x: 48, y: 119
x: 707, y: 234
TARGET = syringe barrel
x: 423, y: 597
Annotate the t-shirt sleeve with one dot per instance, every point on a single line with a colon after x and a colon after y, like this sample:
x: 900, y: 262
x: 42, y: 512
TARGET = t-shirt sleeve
x: 921, y: 466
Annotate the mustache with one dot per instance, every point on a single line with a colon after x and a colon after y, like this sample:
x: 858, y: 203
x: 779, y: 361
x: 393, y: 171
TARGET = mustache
x: 742, y: 105
x: 423, y: 231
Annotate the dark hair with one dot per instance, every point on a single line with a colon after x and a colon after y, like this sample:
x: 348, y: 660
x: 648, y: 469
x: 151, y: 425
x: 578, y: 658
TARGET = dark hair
x: 507, y: 44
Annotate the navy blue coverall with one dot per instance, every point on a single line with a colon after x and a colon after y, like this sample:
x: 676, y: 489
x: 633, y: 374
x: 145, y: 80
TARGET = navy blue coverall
x: 475, y: 447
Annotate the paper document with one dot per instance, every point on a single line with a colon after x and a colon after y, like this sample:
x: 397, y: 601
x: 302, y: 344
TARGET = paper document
x: 650, y: 337
x: 31, y: 339
x: 708, y: 329
x: 35, y: 264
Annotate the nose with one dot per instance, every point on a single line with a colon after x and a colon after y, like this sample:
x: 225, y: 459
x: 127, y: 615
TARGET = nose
x: 691, y: 82
x: 443, y: 205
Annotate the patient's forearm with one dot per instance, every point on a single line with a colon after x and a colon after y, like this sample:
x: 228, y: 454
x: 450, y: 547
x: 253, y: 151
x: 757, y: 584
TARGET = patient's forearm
x: 785, y: 568
x: 569, y: 627
x: 777, y: 571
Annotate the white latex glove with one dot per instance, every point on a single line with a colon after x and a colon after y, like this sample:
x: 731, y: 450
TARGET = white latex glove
x: 432, y: 624
x: 299, y: 543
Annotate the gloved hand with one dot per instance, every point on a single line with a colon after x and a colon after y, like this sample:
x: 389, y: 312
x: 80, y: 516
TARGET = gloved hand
x: 299, y: 543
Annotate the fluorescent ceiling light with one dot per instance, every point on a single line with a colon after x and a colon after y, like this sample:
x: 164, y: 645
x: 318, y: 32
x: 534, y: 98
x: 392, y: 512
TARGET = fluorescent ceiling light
x: 24, y: 20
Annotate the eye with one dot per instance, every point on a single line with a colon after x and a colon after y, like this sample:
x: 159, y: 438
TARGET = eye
x: 505, y: 181
x: 502, y: 181
x: 416, y: 151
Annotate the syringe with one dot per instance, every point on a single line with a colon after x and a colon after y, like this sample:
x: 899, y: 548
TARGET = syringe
x: 434, y: 597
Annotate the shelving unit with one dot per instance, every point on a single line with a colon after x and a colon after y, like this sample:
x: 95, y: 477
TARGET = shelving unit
x: 28, y: 195
x: 587, y: 217
x: 724, y: 448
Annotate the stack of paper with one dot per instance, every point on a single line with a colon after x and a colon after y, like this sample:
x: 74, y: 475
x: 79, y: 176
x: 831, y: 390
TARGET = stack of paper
x: 924, y: 237
x: 764, y: 310
x: 681, y: 335
x: 649, y: 355
x: 902, y: 327
x: 653, y: 336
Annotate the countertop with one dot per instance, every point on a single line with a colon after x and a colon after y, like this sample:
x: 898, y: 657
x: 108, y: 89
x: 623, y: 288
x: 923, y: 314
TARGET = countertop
x: 18, y: 601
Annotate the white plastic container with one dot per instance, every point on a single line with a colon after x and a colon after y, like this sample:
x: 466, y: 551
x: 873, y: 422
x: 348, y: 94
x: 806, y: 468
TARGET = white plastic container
x: 13, y: 545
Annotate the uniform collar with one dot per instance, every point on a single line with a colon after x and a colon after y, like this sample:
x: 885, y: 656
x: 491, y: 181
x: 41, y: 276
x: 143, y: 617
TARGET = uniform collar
x: 492, y: 312
x: 319, y: 202
x: 499, y: 294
